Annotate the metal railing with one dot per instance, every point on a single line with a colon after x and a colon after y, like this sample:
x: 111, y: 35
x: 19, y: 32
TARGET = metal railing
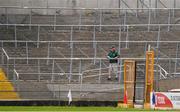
x: 163, y: 74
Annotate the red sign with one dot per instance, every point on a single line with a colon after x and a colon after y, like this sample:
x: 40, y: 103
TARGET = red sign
x: 162, y: 101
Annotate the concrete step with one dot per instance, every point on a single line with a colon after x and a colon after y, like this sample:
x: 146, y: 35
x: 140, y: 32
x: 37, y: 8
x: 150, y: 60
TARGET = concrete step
x: 34, y: 90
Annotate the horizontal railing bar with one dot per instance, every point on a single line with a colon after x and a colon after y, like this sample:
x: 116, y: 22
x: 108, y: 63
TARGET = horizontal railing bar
x: 81, y: 8
x: 45, y: 58
x: 74, y: 25
x: 74, y: 41
x: 50, y: 73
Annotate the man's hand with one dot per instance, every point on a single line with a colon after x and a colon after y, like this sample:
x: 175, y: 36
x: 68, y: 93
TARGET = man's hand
x: 108, y: 57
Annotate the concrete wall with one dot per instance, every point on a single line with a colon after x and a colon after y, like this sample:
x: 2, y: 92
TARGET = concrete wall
x: 168, y: 84
x: 84, y: 4
x: 87, y: 3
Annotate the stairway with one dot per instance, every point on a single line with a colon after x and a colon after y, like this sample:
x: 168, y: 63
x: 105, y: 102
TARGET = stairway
x: 7, y: 90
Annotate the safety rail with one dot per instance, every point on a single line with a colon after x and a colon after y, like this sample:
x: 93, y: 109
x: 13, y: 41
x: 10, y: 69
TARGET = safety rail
x: 81, y: 8
x: 162, y: 72
x: 119, y: 72
x: 73, y: 25
x: 52, y: 75
x: 124, y: 11
x: 81, y: 75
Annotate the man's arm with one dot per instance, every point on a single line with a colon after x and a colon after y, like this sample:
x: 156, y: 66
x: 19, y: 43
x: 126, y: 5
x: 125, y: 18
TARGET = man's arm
x: 117, y: 55
x: 108, y: 56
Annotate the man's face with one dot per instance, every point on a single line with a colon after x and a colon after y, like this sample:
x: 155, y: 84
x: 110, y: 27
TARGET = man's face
x: 113, y: 49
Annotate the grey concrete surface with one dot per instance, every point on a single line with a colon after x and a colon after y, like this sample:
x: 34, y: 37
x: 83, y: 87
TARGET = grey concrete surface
x: 87, y: 4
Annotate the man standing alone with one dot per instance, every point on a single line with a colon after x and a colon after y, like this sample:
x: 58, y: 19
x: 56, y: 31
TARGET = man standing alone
x: 113, y: 56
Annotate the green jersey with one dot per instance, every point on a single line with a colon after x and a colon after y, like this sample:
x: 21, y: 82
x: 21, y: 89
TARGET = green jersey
x: 113, y: 55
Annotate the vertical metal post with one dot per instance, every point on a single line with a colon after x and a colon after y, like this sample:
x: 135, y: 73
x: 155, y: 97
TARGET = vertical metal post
x: 127, y: 37
x: 120, y: 69
x: 100, y: 70
x: 94, y: 44
x: 149, y: 20
x: 160, y: 76
x: 145, y: 48
x: 95, y: 52
x: 27, y: 54
x: 100, y: 20
x: 158, y: 39
x: 119, y: 6
x: 175, y: 66
x: 169, y: 65
x: 137, y: 10
x: 14, y: 64
x: 7, y: 68
x: 156, y: 4
x: 158, y: 69
x: 52, y: 79
x: 169, y: 20
x: 120, y: 40
x: 38, y: 36
x: 59, y: 94
x: 142, y: 4
x: 80, y: 19
x: 30, y: 19
x: 125, y: 14
x: 81, y: 83
x: 94, y: 35
x: 80, y: 66
x: 55, y: 19
x: 39, y: 70
x: 155, y: 10
x: 71, y: 37
x: 48, y: 53
x: 80, y: 70
x: 7, y: 19
x: 95, y: 17
x: 150, y: 6
x: 47, y: 6
x: 71, y: 61
x: 14, y: 77
x: 174, y: 3
x: 15, y: 36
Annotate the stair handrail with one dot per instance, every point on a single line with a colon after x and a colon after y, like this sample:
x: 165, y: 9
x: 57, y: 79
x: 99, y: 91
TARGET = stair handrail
x: 16, y: 74
x: 98, y: 69
x: 163, y: 72
x: 5, y: 53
